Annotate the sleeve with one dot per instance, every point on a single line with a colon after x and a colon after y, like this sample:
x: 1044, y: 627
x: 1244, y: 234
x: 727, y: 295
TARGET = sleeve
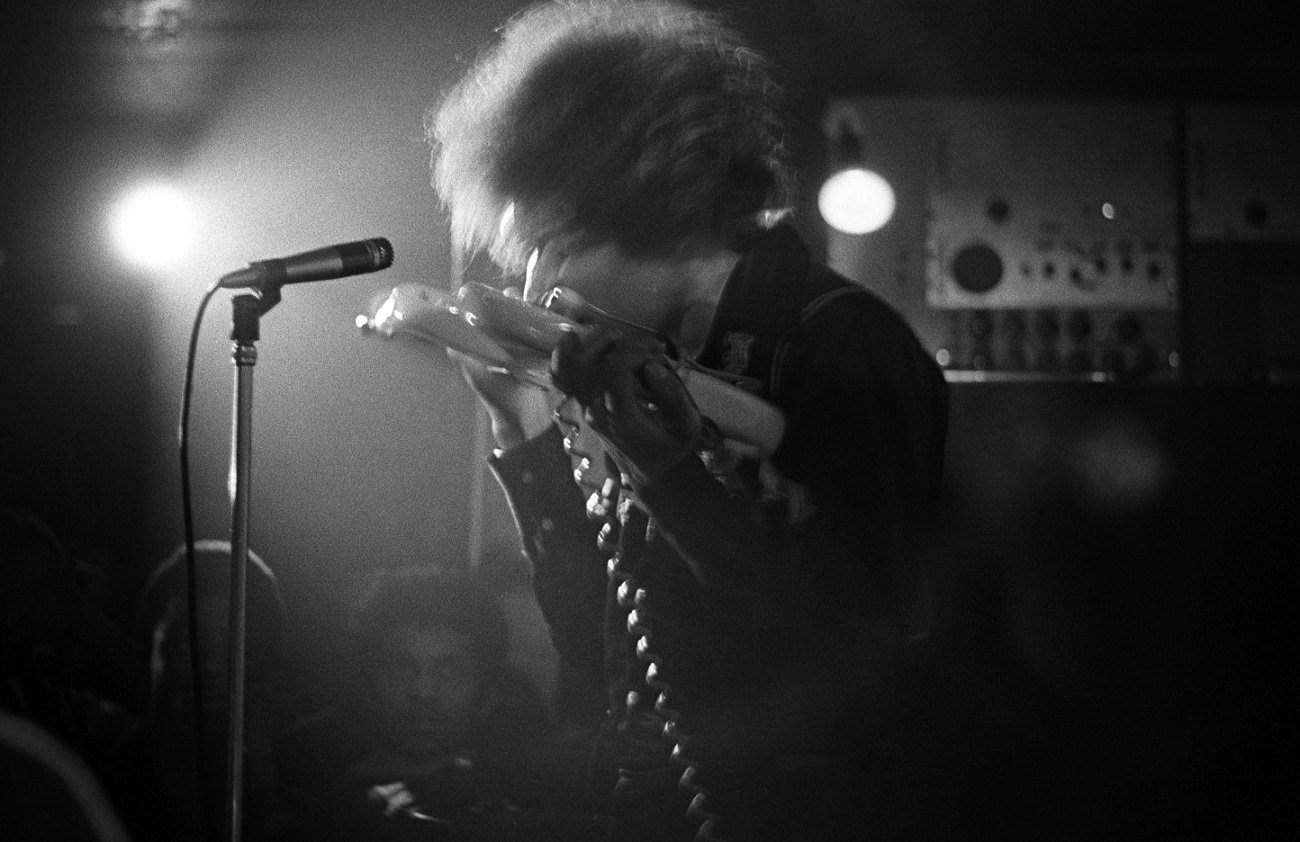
x: 569, y: 578
x: 866, y: 412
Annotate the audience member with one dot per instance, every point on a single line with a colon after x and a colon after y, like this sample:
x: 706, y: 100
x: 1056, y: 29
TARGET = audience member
x: 435, y: 736
x: 62, y: 662
x: 182, y: 783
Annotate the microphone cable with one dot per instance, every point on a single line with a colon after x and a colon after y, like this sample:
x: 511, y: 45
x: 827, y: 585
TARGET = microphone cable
x: 191, y: 571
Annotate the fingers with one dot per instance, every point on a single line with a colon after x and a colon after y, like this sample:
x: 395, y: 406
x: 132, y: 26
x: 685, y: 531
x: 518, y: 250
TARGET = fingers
x: 629, y: 395
x: 646, y: 419
x: 643, y: 387
x: 664, y: 387
x: 585, y: 366
x: 570, y: 368
x: 645, y: 410
x: 470, y: 368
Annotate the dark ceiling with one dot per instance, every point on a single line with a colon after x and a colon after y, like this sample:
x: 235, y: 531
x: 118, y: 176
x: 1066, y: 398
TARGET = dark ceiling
x: 156, y: 65
x: 168, y: 65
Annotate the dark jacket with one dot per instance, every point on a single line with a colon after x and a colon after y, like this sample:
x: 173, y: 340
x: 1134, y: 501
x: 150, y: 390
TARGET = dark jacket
x: 777, y: 599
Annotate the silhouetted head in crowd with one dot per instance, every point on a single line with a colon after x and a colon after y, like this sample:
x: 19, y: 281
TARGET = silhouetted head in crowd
x: 179, y: 798
x: 429, y: 649
x: 38, y: 595
x: 63, y: 665
x: 52, y: 629
x: 162, y: 627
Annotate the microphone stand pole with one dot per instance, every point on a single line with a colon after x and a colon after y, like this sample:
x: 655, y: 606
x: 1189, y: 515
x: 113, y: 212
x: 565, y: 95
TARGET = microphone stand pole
x: 247, y: 312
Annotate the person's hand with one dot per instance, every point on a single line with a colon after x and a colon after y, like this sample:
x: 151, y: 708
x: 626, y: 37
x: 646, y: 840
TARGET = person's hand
x: 518, y: 411
x: 631, y: 398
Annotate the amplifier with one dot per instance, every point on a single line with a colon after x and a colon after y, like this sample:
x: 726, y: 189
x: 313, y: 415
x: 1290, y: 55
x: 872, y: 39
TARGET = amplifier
x: 1030, y: 239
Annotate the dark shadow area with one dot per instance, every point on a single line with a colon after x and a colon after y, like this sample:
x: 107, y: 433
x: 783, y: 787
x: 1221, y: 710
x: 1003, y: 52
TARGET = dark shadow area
x: 1112, y: 651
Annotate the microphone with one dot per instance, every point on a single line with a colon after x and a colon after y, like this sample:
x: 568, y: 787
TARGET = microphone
x: 323, y: 264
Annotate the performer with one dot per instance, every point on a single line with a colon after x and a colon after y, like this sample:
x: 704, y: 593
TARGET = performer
x: 745, y: 615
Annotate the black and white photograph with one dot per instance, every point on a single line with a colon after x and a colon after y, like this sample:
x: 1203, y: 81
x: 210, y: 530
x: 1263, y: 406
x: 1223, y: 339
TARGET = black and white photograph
x: 649, y: 421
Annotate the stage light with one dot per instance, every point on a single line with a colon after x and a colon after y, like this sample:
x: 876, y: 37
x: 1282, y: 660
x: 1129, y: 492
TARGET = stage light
x: 856, y: 201
x: 153, y: 225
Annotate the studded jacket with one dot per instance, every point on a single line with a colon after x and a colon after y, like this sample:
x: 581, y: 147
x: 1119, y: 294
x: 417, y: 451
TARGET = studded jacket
x: 809, y: 576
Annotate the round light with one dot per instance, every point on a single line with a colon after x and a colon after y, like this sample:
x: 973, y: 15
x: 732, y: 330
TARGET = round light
x: 856, y: 201
x: 153, y: 225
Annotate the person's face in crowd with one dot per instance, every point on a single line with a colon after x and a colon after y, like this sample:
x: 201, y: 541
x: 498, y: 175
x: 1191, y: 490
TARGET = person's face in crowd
x: 645, y: 291
x: 426, y: 685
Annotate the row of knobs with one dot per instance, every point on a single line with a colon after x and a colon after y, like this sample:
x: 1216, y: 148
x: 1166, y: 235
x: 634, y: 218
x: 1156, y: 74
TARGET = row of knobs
x: 1031, y: 341
x: 978, y: 268
x: 1047, y: 326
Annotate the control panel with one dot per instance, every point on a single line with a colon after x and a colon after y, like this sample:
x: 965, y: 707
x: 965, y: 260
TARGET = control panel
x: 1030, y: 238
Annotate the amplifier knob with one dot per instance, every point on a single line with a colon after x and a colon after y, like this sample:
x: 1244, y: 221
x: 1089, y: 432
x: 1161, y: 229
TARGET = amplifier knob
x: 977, y: 268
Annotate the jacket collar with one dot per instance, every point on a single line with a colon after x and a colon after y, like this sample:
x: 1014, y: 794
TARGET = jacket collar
x: 759, y: 304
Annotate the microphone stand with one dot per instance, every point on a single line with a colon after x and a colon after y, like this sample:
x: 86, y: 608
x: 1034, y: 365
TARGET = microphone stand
x: 265, y: 277
x: 247, y: 312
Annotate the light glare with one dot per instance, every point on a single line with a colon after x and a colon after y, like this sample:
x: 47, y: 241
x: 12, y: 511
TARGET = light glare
x: 856, y: 201
x: 153, y: 225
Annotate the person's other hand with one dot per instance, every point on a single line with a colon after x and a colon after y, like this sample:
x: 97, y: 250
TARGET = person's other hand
x: 518, y: 411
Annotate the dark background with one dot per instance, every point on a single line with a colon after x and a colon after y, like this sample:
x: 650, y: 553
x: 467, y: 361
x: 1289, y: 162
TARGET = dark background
x: 298, y: 123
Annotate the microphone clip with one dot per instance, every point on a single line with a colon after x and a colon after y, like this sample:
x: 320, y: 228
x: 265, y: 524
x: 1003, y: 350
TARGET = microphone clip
x: 267, y: 295
x: 246, y: 313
